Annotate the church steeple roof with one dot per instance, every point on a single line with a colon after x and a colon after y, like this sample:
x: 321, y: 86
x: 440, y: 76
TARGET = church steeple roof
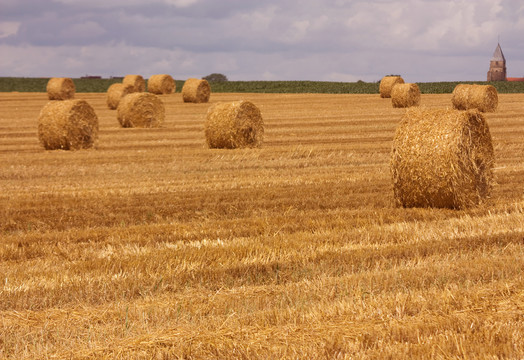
x: 498, y: 55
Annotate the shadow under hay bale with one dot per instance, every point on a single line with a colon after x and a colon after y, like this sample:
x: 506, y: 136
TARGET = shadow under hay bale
x: 67, y: 125
x: 442, y: 158
x: 143, y: 110
x: 196, y: 91
x: 405, y: 95
x: 60, y: 89
x: 161, y: 84
x: 481, y: 97
x: 234, y: 125
x: 387, y: 83
x: 116, y: 92
x: 137, y: 81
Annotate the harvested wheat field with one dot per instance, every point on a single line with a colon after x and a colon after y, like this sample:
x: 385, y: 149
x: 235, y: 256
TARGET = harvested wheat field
x: 154, y: 246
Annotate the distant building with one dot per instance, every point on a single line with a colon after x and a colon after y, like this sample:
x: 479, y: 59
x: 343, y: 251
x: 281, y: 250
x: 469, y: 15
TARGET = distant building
x: 497, y: 66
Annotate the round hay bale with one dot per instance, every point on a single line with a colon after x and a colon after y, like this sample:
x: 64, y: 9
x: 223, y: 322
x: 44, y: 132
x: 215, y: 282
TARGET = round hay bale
x: 196, y: 91
x: 143, y: 110
x: 60, y: 89
x: 161, y: 84
x: 387, y: 83
x: 405, y: 95
x: 116, y: 92
x: 67, y: 125
x: 234, y: 125
x: 442, y: 158
x: 137, y: 81
x: 481, y: 97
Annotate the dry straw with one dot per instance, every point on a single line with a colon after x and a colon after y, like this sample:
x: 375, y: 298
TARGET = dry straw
x: 161, y: 84
x: 144, y: 110
x: 442, y: 158
x: 481, y: 97
x: 405, y: 95
x: 234, y: 125
x: 67, y: 125
x: 60, y: 89
x: 137, y: 81
x: 387, y: 83
x: 196, y: 91
x: 117, y: 92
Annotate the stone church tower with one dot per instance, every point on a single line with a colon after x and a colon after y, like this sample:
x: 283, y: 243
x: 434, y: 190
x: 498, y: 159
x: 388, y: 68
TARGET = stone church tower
x: 497, y: 66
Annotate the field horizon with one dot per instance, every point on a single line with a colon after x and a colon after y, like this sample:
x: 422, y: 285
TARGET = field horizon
x: 152, y: 246
x: 90, y: 85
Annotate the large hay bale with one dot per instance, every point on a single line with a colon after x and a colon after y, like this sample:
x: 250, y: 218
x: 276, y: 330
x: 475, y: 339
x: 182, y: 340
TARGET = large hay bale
x: 387, y: 83
x: 481, y: 97
x: 161, y: 84
x: 196, y: 91
x: 405, y: 95
x: 234, y: 125
x: 60, y: 89
x: 67, y: 125
x: 442, y: 158
x: 116, y: 92
x: 137, y: 81
x: 144, y: 110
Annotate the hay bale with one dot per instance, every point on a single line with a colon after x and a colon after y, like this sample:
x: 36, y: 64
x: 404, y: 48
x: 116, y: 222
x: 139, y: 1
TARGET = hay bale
x: 161, y: 84
x: 196, y: 91
x: 67, y: 125
x: 481, y: 97
x: 387, y: 83
x: 442, y: 158
x: 234, y: 125
x: 137, y: 81
x: 116, y: 92
x: 405, y: 95
x: 60, y: 89
x: 143, y: 110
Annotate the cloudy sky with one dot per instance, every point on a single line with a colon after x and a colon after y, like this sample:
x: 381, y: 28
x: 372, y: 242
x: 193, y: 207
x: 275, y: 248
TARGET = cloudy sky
x: 328, y: 40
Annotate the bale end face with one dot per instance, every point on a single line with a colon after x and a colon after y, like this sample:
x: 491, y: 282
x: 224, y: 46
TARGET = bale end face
x: 67, y: 125
x: 442, y: 159
x: 196, y: 91
x: 143, y: 110
x: 387, y: 83
x: 116, y: 92
x: 234, y: 125
x: 137, y: 81
x: 60, y: 89
x: 405, y: 95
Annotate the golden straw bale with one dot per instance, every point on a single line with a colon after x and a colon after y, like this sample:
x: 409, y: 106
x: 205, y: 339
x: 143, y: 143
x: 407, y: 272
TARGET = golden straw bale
x: 144, y: 110
x: 442, y: 158
x: 196, y: 91
x: 138, y: 82
x: 116, y: 92
x: 60, y: 89
x: 234, y: 125
x: 481, y: 97
x: 67, y: 125
x: 161, y: 84
x: 387, y: 83
x: 405, y: 95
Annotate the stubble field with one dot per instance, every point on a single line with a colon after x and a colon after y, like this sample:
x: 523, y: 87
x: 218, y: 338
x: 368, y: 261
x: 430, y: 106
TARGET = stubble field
x: 153, y: 246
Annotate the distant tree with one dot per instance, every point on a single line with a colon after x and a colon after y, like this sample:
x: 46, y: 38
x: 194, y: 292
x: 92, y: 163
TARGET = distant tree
x: 215, y: 77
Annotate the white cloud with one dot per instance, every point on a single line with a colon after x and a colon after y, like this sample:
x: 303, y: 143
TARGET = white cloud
x: 8, y: 28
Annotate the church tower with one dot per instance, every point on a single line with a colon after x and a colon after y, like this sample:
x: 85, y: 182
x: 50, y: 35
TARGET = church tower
x: 497, y: 66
